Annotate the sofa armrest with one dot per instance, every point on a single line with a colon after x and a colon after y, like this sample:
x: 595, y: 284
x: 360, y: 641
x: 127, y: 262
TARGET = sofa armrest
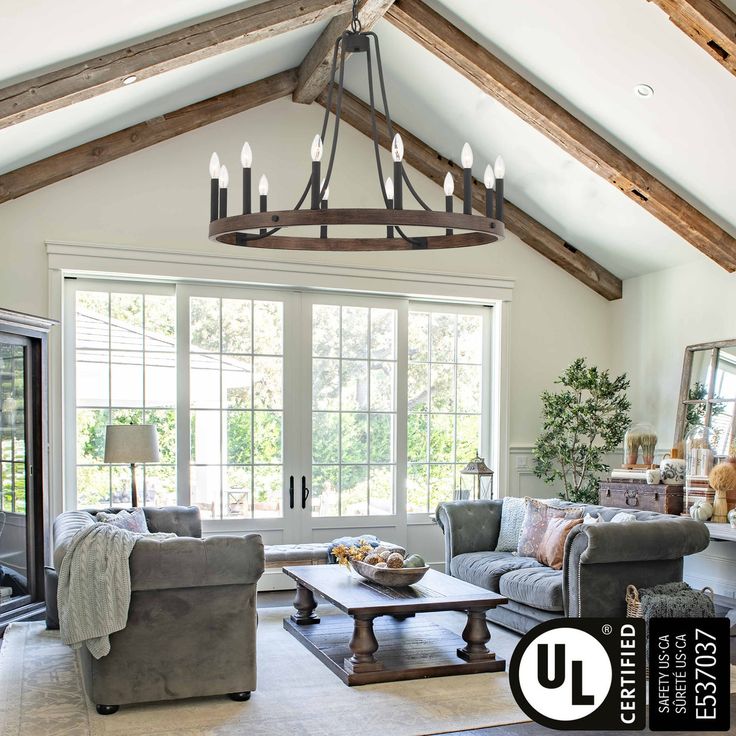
x: 469, y: 526
x: 186, y: 562
x: 658, y: 539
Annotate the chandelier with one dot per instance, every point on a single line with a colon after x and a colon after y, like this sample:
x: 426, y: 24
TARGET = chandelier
x: 263, y: 229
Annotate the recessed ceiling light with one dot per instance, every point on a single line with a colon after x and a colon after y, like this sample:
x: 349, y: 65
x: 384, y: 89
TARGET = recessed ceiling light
x: 130, y: 79
x: 644, y: 91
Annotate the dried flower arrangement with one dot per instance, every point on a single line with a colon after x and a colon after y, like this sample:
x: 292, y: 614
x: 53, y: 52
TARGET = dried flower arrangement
x: 343, y: 554
x: 723, y: 479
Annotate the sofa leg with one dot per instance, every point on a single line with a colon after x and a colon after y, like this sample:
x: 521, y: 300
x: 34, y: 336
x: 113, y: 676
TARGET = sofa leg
x: 239, y: 697
x: 107, y: 710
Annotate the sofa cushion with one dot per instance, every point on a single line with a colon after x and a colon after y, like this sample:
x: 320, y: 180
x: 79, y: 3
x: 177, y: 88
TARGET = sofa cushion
x: 552, y: 547
x: 536, y: 515
x: 486, y: 568
x: 512, y: 517
x: 133, y: 520
x: 537, y: 587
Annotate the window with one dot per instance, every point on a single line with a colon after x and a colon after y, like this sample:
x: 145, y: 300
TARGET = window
x: 12, y: 428
x: 353, y: 410
x: 377, y: 402
x: 125, y: 374
x: 445, y: 401
x: 236, y: 381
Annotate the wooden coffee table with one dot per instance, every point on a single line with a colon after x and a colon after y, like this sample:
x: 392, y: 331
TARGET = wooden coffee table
x: 410, y: 647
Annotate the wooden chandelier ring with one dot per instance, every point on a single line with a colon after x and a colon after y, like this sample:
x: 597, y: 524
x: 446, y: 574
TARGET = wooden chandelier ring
x: 229, y: 230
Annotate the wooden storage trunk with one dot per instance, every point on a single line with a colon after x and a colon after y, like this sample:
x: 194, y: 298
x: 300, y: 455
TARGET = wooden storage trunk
x: 640, y: 496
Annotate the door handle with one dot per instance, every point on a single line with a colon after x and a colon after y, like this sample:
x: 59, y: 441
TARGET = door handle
x: 291, y: 492
x: 305, y: 492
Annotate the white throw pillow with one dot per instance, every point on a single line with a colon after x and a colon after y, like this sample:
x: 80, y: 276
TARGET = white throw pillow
x: 133, y: 521
x: 623, y: 518
x: 592, y: 519
x: 512, y: 517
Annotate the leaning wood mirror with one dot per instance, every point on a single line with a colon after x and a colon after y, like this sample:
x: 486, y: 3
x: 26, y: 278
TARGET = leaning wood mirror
x: 708, y: 393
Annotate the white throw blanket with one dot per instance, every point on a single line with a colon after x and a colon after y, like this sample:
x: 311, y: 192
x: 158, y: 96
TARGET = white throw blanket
x: 94, y: 586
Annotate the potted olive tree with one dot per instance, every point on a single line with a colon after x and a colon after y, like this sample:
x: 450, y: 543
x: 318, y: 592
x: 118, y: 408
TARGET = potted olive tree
x: 583, y: 421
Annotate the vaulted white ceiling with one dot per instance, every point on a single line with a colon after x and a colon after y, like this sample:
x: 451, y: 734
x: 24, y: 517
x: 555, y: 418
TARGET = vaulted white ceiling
x: 586, y: 55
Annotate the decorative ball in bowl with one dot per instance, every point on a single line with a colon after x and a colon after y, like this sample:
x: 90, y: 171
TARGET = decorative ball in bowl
x: 391, y: 569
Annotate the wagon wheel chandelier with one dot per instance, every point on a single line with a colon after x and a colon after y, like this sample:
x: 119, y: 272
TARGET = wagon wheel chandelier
x: 262, y: 229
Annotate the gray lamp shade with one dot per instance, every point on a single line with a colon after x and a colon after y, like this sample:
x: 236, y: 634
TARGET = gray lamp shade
x: 131, y: 443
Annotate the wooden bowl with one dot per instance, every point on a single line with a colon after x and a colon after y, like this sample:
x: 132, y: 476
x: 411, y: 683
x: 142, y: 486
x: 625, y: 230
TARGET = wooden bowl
x: 400, y: 577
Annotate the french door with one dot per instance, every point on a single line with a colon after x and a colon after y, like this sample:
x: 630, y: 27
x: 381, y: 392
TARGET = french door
x: 353, y: 446
x: 301, y: 415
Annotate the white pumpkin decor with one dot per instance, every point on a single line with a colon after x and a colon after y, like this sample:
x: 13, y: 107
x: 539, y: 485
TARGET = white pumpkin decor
x: 673, y: 471
x: 701, y: 510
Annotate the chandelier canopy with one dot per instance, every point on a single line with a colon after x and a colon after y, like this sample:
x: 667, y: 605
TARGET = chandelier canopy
x: 263, y: 229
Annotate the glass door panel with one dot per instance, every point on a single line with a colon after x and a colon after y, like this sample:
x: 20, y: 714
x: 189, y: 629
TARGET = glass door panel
x: 353, y: 453
x: 14, y: 475
x: 236, y: 385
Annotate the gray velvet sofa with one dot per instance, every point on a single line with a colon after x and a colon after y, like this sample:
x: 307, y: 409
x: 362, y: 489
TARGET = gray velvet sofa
x: 600, y: 561
x: 192, y: 619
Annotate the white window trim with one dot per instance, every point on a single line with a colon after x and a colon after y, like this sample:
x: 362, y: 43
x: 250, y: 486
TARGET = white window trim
x: 90, y: 260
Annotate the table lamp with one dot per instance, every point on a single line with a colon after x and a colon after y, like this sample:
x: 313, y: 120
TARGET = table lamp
x: 131, y: 444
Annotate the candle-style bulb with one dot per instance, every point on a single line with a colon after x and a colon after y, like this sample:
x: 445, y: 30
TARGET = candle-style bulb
x: 449, y: 185
x: 263, y: 186
x: 389, y: 186
x: 488, y: 177
x: 499, y: 168
x: 397, y: 148
x: 224, y: 178
x: 214, y: 166
x: 246, y: 156
x: 317, y: 148
x: 466, y: 156
x: 326, y: 195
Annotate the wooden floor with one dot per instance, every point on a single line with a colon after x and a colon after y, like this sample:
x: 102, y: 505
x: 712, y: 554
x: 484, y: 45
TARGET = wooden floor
x: 284, y: 598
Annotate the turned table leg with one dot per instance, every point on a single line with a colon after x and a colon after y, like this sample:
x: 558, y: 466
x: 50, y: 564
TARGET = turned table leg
x: 476, y: 635
x: 363, y: 644
x: 305, y: 604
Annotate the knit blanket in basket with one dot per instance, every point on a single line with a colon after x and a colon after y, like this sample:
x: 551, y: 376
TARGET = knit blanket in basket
x: 94, y: 586
x: 675, y: 600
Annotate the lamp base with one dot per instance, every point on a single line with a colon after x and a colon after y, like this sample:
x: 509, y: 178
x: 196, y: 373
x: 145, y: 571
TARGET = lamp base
x: 133, y: 487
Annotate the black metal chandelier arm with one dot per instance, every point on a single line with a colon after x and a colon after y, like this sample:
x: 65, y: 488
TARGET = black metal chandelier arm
x: 374, y: 129
x: 338, y: 111
x: 323, y: 133
x: 389, y: 127
x: 376, y: 148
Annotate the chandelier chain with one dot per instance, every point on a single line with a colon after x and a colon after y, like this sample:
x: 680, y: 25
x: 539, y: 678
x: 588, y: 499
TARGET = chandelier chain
x: 355, y: 25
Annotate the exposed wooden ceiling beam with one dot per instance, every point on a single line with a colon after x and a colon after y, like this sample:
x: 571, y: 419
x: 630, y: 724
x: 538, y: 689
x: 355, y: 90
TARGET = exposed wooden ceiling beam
x: 314, y: 71
x: 491, y: 75
x: 709, y: 23
x: 433, y: 165
x: 89, y: 155
x: 92, y: 77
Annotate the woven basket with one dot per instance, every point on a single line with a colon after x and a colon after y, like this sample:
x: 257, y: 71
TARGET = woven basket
x: 633, y: 604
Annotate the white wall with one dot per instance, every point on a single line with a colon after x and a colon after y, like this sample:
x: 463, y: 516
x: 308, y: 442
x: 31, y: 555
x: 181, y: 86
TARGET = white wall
x: 159, y: 198
x: 661, y: 313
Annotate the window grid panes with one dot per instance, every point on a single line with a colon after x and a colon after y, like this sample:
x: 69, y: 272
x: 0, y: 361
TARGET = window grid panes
x: 12, y: 429
x: 353, y: 410
x: 236, y: 407
x: 445, y: 395
x: 125, y: 374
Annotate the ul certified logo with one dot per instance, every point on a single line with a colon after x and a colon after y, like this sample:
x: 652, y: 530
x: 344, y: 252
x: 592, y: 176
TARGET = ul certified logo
x: 563, y: 674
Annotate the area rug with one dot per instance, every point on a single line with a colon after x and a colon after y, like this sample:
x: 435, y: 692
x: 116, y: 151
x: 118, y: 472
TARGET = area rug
x: 41, y: 695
